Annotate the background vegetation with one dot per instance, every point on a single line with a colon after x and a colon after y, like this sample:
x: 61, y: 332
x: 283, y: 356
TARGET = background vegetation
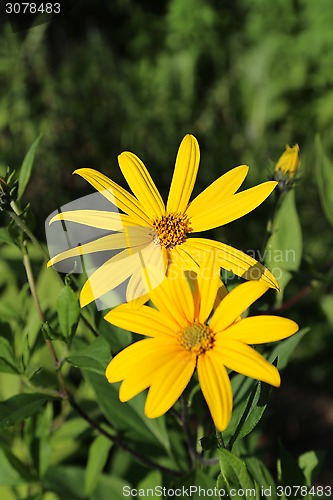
x: 246, y: 78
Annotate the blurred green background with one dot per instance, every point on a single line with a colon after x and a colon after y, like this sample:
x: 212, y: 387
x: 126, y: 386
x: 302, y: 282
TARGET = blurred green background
x: 245, y: 77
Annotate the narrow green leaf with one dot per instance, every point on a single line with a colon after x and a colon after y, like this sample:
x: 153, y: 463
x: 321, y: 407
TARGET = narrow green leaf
x: 310, y: 463
x: 151, y: 480
x: 41, y: 437
x: 9, y: 476
x: 262, y: 476
x: 285, y: 348
x: 68, y: 310
x: 283, y: 251
x: 5, y: 237
x: 128, y: 417
x: 289, y: 472
x: 250, y: 412
x: 235, y: 478
x: 18, y: 408
x: 194, y: 484
x: 98, y: 454
x: 7, y: 358
x: 26, y: 167
x: 67, y: 482
x: 324, y: 171
x: 94, y: 357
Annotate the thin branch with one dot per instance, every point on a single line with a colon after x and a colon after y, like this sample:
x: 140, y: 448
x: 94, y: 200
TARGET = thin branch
x: 121, y: 443
x: 188, y: 436
x: 33, y: 289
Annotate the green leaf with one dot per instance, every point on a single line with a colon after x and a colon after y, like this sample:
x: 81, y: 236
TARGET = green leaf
x: 324, y: 171
x: 285, y: 348
x: 128, y: 417
x: 98, y: 454
x: 248, y: 414
x: 18, y: 408
x: 94, y: 357
x: 235, y: 478
x: 67, y: 482
x: 26, y: 168
x: 39, y: 436
x: 310, y: 463
x: 289, y: 472
x: 68, y: 310
x: 7, y: 358
x: 192, y: 483
x: 283, y: 251
x: 9, y: 476
x: 262, y: 476
x: 151, y: 480
x: 5, y: 237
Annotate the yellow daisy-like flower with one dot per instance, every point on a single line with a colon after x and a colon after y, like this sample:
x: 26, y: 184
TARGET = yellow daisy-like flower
x: 150, y: 232
x: 194, y: 331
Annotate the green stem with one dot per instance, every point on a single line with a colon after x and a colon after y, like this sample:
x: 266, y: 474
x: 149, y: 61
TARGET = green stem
x: 121, y: 443
x: 33, y: 289
x: 219, y: 437
x: 270, y: 220
x: 188, y: 436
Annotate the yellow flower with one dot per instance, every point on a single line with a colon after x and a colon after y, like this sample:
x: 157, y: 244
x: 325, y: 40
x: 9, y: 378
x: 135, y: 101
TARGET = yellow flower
x: 200, y: 331
x: 152, y: 235
x: 287, y: 166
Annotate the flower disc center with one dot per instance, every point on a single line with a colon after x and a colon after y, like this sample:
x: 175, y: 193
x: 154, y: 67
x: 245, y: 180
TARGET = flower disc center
x: 171, y: 229
x: 197, y: 338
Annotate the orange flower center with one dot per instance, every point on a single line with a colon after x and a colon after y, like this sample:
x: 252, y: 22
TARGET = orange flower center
x: 171, y: 229
x: 197, y: 338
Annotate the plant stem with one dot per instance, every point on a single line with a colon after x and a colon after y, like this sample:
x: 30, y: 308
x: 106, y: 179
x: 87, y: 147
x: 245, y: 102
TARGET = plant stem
x: 121, y: 443
x: 33, y: 289
x: 189, y: 438
x: 219, y: 438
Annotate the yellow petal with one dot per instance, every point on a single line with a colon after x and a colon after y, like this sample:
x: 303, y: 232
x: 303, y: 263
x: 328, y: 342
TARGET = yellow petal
x: 144, y: 369
x: 261, y: 329
x: 122, y: 364
x: 183, y: 258
x: 235, y: 303
x: 289, y: 161
x: 141, y: 184
x: 169, y: 383
x: 111, y: 221
x: 232, y: 260
x: 115, y: 194
x: 137, y: 240
x: 174, y: 298
x: 185, y: 174
x: 230, y: 208
x: 151, y: 275
x: 110, y: 275
x: 224, y: 187
x: 245, y: 360
x: 145, y: 321
x: 208, y: 282
x: 216, y: 387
